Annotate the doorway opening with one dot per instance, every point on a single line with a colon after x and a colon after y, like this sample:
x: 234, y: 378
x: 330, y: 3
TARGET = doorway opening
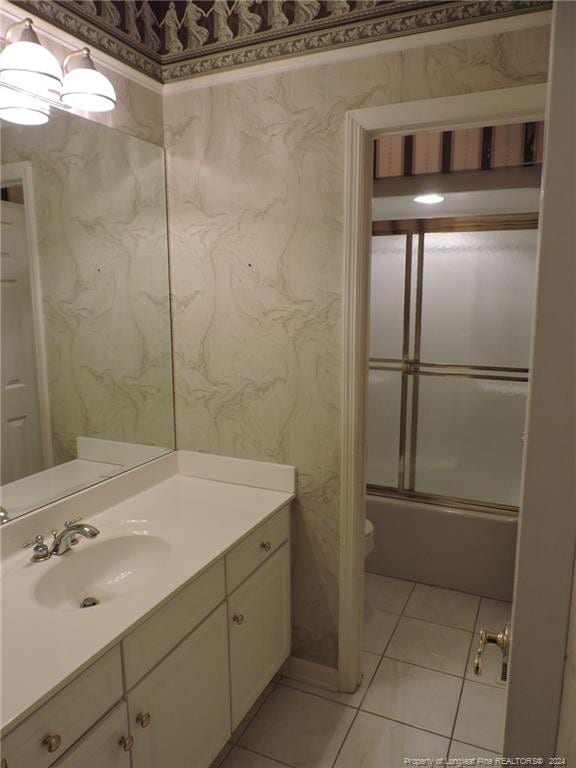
x: 451, y: 315
x: 497, y: 108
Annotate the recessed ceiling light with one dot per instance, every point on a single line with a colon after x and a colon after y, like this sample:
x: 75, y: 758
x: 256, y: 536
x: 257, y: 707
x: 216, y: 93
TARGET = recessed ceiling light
x: 429, y: 199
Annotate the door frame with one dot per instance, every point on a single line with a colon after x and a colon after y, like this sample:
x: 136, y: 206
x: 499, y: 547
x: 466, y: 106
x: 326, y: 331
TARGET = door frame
x: 542, y: 690
x: 522, y: 104
x: 21, y: 173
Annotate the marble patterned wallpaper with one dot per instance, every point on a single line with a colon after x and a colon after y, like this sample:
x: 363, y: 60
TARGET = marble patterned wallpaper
x: 138, y: 109
x: 255, y: 174
x: 101, y: 224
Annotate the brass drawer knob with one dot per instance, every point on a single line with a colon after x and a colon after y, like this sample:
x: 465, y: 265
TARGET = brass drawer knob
x: 143, y: 719
x: 52, y: 743
x: 238, y: 618
x: 126, y: 742
x: 266, y: 546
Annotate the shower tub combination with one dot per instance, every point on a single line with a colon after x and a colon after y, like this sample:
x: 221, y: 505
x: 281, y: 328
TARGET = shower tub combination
x: 450, y: 329
x: 446, y: 547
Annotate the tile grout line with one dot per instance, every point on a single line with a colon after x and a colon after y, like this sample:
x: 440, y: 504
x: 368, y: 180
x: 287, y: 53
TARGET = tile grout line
x: 462, y: 677
x: 344, y: 740
x: 472, y: 632
x: 431, y: 669
x: 424, y: 621
x: 398, y: 722
x: 479, y: 747
x: 253, y: 717
x: 450, y: 739
x: 408, y: 598
x: 463, y: 680
x: 436, y: 623
x: 435, y: 586
x: 379, y: 662
x: 408, y: 725
x: 381, y: 655
x: 319, y: 695
x: 261, y: 754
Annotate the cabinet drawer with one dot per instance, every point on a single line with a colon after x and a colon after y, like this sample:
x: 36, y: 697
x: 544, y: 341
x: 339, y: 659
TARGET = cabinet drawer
x: 152, y: 640
x: 101, y: 746
x: 253, y: 551
x: 68, y: 714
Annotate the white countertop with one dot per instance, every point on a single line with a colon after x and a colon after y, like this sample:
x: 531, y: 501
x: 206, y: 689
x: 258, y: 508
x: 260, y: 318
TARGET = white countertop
x: 44, y: 647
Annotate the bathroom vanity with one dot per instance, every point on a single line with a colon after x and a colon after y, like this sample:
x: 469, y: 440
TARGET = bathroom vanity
x: 191, y: 577
x: 185, y: 589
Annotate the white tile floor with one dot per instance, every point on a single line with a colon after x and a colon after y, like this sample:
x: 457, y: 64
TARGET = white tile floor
x: 419, y: 696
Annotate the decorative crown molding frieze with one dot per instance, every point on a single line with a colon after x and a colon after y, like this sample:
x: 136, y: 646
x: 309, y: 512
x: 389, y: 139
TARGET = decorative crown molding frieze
x: 178, y: 39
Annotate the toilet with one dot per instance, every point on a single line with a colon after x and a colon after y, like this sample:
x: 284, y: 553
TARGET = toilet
x: 368, y: 537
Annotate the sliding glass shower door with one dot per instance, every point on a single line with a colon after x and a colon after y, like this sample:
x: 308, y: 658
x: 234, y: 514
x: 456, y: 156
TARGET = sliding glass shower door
x: 451, y: 323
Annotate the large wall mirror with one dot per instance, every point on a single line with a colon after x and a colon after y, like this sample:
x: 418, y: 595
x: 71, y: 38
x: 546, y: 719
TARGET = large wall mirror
x: 86, y: 345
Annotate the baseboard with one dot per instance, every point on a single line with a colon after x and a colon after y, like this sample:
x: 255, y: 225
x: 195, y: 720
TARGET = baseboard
x: 310, y: 672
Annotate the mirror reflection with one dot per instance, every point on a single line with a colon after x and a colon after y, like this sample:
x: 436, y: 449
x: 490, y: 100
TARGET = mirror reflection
x: 86, y: 355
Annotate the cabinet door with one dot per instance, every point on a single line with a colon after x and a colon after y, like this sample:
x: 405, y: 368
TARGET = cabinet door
x: 102, y: 746
x: 180, y: 712
x: 67, y: 715
x: 259, y: 622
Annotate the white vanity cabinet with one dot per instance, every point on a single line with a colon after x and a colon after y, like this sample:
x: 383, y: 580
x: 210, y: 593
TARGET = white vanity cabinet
x: 44, y: 736
x: 179, y: 713
x: 171, y: 691
x: 107, y: 744
x: 259, y: 624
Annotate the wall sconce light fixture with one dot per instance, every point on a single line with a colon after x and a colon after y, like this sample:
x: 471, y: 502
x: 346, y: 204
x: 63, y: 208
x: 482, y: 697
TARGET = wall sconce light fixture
x: 22, y: 109
x: 26, y: 65
x: 84, y: 87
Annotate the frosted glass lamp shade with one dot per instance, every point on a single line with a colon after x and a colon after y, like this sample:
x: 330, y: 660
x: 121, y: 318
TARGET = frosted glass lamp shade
x: 88, y: 90
x: 21, y: 109
x: 31, y: 67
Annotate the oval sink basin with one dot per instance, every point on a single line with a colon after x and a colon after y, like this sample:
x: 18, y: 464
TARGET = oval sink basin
x: 105, y: 570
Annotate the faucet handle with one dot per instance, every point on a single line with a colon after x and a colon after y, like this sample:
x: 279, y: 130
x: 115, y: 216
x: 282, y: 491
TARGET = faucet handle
x: 36, y: 540
x: 40, y: 550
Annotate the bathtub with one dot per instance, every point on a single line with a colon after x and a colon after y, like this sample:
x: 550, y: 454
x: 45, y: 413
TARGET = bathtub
x: 453, y: 548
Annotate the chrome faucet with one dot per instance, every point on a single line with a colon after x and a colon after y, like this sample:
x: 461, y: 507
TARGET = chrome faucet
x: 4, y: 516
x: 65, y: 539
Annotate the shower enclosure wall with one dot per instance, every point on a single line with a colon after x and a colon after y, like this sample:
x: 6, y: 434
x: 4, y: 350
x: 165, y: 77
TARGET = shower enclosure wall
x: 451, y: 323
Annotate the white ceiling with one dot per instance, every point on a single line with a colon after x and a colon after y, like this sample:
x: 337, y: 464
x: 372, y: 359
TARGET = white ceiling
x: 482, y: 202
